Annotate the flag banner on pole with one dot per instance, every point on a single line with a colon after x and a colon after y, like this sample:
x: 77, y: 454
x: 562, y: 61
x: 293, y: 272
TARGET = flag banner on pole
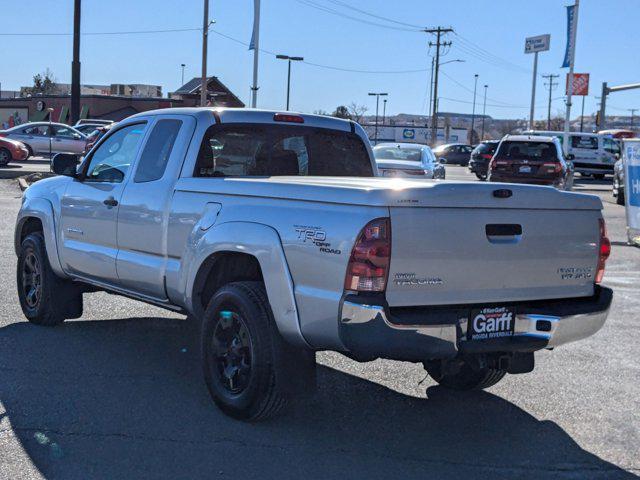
x: 252, y: 43
x: 570, y: 36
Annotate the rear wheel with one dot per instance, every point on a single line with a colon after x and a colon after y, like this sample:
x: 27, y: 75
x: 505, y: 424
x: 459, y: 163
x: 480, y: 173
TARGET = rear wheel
x: 45, y: 298
x: 466, y: 378
x: 238, y: 352
x: 481, y: 176
x: 5, y: 157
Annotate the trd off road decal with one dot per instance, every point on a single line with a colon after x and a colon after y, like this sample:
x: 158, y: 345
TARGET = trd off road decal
x: 491, y: 322
x: 316, y: 236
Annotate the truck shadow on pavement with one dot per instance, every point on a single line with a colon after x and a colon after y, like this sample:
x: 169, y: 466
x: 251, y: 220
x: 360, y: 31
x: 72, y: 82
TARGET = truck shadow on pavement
x: 125, y: 399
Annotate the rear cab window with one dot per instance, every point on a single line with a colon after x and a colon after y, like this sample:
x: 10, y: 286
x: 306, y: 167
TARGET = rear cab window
x: 397, y: 153
x: 584, y: 142
x: 256, y: 150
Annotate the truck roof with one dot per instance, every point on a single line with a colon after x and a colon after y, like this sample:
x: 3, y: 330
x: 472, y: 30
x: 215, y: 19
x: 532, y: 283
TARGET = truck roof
x: 252, y: 115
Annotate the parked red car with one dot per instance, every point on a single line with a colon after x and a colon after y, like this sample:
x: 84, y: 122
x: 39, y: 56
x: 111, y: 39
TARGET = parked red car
x: 531, y: 159
x: 12, y: 150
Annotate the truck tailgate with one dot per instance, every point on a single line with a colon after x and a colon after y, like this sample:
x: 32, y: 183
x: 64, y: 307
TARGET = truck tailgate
x: 442, y: 256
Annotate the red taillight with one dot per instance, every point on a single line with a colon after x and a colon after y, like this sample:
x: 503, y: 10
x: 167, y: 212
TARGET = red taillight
x: 552, y: 167
x: 368, y: 266
x: 495, y: 162
x: 285, y: 117
x: 3, y: 134
x: 604, y: 250
x: 486, y: 156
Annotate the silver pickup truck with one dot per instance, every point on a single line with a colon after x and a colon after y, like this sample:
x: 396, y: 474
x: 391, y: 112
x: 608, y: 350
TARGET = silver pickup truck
x: 273, y: 229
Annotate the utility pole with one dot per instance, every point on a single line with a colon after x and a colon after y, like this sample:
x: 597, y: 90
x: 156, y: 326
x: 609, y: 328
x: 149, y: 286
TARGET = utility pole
x: 473, y: 112
x: 439, y: 32
x: 75, y: 64
x: 632, y: 110
x: 551, y: 86
x: 182, y: 65
x: 377, y: 95
x: 205, y: 34
x: 433, y: 61
x: 255, y: 45
x: 484, y: 109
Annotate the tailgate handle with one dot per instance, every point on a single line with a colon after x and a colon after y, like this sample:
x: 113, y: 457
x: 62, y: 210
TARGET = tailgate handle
x: 503, y: 232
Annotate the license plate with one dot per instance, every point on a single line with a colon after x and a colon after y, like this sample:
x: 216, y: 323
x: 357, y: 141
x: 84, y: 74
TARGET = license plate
x: 525, y: 169
x: 491, y: 322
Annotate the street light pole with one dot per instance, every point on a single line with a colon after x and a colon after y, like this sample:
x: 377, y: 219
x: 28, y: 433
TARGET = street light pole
x: 75, y: 64
x: 289, y: 59
x: 384, y: 112
x: 377, y: 95
x: 473, y: 113
x: 632, y: 110
x: 182, y: 65
x: 484, y: 109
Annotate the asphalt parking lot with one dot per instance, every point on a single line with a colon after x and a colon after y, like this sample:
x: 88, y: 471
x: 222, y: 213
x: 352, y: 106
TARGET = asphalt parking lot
x: 118, y: 393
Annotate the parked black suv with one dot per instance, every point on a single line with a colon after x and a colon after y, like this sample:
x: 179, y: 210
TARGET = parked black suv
x: 481, y: 156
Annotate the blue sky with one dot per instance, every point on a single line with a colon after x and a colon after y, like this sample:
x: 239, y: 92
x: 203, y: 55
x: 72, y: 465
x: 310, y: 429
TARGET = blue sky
x: 489, y: 37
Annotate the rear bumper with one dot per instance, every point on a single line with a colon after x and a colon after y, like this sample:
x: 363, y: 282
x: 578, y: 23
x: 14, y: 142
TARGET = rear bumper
x: 548, y: 182
x: 371, y: 330
x: 593, y: 168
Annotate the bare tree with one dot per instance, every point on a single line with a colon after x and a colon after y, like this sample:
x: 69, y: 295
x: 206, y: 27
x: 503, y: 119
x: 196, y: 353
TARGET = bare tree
x: 321, y: 112
x: 357, y: 111
x: 341, y: 112
x: 43, y: 83
x: 507, y: 127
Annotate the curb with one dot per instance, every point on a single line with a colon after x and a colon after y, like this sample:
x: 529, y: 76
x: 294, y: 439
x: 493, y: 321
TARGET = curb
x: 22, y: 183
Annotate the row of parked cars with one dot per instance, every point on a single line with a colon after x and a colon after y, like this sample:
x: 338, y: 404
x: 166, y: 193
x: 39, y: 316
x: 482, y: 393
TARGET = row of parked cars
x: 46, y: 138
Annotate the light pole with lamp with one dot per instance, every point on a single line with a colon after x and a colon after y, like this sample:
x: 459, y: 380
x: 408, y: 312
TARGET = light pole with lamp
x: 289, y: 59
x: 50, y: 110
x: 484, y: 109
x: 377, y: 95
x: 384, y: 111
x: 473, y: 112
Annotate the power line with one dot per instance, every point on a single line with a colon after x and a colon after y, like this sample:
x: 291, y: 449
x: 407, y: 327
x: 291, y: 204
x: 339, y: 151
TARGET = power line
x: 369, y: 14
x: 551, y: 84
x: 488, y: 54
x: 439, y: 32
x: 130, y: 32
x: 323, y: 8
x: 319, y: 65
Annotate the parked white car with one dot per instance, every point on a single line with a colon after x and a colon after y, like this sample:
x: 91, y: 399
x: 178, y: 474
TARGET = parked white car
x: 407, y: 160
x: 44, y: 137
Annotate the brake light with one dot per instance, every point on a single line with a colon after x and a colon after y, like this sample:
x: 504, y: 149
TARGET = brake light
x: 552, y: 167
x: 3, y: 134
x: 604, y: 250
x: 285, y: 117
x: 368, y: 267
x: 486, y: 156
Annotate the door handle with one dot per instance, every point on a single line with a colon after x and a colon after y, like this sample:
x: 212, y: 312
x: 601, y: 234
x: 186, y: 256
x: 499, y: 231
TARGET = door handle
x: 111, y: 202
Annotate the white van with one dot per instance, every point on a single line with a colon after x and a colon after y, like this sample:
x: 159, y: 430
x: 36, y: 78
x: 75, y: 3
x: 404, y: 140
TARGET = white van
x: 591, y: 153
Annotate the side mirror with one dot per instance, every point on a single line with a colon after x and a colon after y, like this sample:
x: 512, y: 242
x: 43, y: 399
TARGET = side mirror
x: 65, y: 164
x: 442, y: 160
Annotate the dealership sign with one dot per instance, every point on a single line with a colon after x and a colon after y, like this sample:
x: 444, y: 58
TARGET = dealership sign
x: 580, y: 84
x: 631, y: 162
x: 539, y: 43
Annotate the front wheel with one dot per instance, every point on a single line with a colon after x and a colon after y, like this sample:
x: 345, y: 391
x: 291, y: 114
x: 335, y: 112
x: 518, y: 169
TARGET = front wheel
x: 238, y: 352
x: 466, y: 378
x: 45, y: 298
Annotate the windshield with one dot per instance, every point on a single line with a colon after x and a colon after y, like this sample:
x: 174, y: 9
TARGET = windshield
x: 280, y: 150
x: 527, y: 151
x: 397, y: 153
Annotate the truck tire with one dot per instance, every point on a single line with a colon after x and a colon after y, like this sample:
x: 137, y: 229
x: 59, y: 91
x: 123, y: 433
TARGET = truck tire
x: 481, y: 176
x: 45, y: 298
x: 5, y: 157
x: 238, y: 352
x: 466, y: 378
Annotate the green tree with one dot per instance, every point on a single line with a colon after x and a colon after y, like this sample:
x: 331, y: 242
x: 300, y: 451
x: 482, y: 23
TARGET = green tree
x: 43, y: 83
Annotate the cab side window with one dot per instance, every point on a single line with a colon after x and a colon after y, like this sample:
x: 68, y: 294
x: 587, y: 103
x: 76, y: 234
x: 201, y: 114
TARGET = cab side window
x: 611, y: 146
x: 155, y: 156
x: 113, y: 157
